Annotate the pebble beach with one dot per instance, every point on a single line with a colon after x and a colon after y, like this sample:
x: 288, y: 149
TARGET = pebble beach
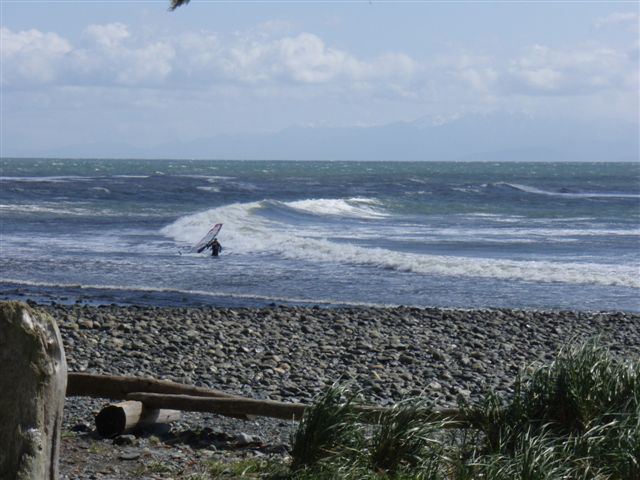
x: 293, y: 353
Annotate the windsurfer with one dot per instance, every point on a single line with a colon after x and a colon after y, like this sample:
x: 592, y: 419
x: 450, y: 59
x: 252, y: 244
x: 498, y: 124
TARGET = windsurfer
x: 215, y: 247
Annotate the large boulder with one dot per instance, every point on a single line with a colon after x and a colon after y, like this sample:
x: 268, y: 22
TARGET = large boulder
x: 33, y: 381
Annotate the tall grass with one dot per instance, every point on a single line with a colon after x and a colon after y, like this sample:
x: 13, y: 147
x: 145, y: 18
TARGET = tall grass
x: 584, y: 405
x: 329, y: 429
x: 404, y: 440
x: 576, y: 418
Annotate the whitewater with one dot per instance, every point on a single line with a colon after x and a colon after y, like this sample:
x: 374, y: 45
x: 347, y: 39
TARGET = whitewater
x: 251, y: 234
x: 468, y: 235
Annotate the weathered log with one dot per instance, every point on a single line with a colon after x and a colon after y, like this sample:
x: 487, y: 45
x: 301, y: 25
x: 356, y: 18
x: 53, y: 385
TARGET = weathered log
x: 125, y: 417
x: 222, y: 406
x: 178, y: 396
x: 117, y: 387
x: 33, y: 379
x: 273, y: 409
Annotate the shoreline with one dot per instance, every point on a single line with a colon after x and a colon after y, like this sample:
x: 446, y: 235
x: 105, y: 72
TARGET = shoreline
x: 292, y: 354
x: 123, y: 297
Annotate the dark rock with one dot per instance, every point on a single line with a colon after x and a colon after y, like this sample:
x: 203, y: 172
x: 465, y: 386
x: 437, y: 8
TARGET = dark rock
x: 81, y: 427
x: 125, y: 440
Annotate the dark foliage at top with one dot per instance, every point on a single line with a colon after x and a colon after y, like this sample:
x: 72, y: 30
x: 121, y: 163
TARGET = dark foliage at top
x: 176, y: 3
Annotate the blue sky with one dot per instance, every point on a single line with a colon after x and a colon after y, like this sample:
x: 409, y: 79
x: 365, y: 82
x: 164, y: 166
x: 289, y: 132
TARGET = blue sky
x: 131, y: 72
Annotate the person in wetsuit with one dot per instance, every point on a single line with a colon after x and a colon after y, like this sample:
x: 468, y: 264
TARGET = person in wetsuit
x: 215, y: 247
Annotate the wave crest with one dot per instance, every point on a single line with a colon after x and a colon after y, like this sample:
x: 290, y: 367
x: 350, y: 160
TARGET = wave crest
x: 247, y: 231
x: 537, y: 191
x: 351, y: 207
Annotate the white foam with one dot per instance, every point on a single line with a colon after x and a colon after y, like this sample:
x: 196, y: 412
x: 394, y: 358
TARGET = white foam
x: 420, y: 181
x: 551, y: 234
x: 75, y: 209
x: 466, y: 189
x: 247, y: 232
x: 487, y: 215
x: 53, y: 179
x: 351, y: 207
x: 58, y: 209
x: 130, y: 176
x: 208, y: 178
x: 528, y: 189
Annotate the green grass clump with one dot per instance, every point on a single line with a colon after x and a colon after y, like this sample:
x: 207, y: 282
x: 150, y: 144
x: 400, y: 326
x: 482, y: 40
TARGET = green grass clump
x: 328, y: 429
x: 584, y: 408
x: 576, y: 418
x: 581, y: 385
x: 405, y: 440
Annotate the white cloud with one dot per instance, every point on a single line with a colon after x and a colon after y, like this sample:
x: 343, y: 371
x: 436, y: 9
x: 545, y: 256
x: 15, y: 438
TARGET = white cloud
x: 544, y: 79
x: 303, y: 59
x: 110, y: 35
x: 195, y: 52
x: 31, y: 55
x: 113, y: 53
x: 150, y: 64
x: 113, y: 56
x: 121, y: 57
x: 568, y: 71
x: 306, y: 58
x: 268, y: 62
x: 478, y: 72
x: 30, y: 41
x: 394, y: 65
x: 247, y: 61
x: 618, y: 18
x: 480, y: 79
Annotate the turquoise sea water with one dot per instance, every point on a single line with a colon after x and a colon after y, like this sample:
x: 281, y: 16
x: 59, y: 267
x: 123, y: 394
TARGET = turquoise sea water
x: 526, y: 235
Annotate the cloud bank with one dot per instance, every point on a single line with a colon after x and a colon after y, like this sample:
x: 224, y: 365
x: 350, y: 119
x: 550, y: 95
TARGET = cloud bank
x: 113, y: 82
x: 113, y: 55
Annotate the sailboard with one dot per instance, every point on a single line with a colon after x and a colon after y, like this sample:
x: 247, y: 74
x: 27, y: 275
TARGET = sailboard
x: 208, y: 238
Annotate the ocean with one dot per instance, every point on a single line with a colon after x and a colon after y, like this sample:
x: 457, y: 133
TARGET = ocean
x: 466, y: 235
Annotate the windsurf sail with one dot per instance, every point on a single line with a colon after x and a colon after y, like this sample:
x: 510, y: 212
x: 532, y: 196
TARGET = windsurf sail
x: 208, y: 238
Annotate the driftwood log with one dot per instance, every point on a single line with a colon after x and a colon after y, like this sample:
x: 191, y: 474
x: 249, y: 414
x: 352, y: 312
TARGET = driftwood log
x: 164, y: 394
x: 273, y: 409
x: 222, y: 406
x: 118, y: 387
x: 33, y: 378
x: 125, y: 417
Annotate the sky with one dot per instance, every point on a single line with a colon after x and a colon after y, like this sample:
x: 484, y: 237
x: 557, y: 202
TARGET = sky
x: 131, y: 72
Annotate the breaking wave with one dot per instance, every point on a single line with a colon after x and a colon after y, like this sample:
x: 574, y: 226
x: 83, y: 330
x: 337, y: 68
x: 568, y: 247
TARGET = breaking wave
x: 247, y: 230
x: 537, y: 191
x: 352, y: 207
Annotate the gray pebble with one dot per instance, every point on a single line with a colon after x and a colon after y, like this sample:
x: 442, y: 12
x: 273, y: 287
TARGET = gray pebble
x: 129, y: 454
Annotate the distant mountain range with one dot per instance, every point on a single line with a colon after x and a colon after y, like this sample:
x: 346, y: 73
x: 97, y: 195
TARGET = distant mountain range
x: 494, y: 137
